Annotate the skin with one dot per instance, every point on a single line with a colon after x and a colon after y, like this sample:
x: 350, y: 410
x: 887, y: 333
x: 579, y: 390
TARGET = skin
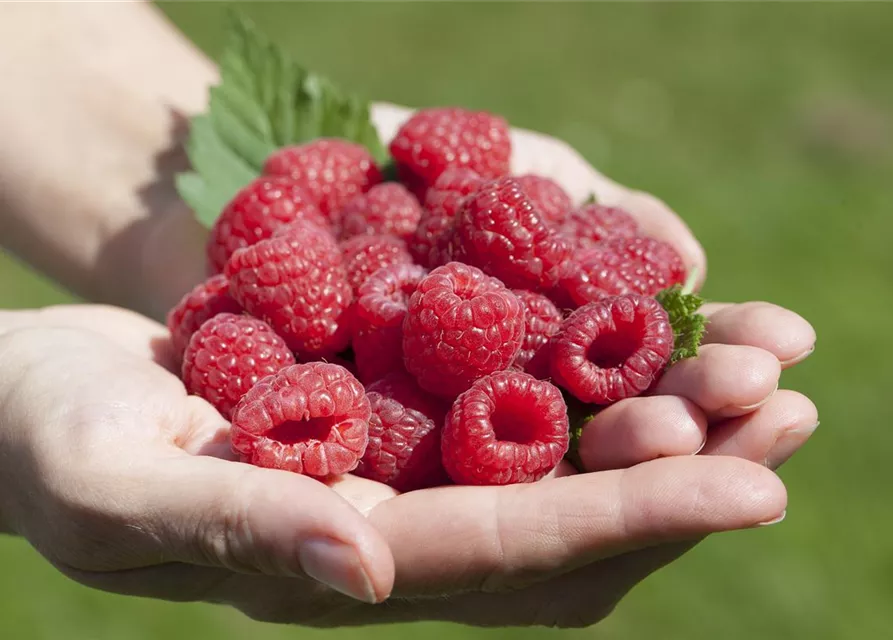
x: 126, y: 484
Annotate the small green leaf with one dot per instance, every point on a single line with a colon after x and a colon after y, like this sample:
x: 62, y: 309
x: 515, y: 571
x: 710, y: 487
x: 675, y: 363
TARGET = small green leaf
x: 688, y: 325
x: 578, y: 415
x: 265, y: 100
x: 591, y: 199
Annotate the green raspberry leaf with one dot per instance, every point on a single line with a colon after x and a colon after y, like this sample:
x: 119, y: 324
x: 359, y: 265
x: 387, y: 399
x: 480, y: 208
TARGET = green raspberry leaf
x: 688, y: 325
x: 578, y: 414
x: 265, y: 100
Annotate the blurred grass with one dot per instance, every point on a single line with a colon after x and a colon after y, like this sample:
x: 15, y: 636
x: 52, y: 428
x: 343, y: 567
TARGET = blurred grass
x: 770, y: 128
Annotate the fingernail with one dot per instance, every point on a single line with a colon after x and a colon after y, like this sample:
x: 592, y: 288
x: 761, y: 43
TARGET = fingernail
x: 787, y: 445
x: 773, y: 520
x: 757, y: 405
x: 799, y: 358
x: 700, y: 448
x: 337, y: 565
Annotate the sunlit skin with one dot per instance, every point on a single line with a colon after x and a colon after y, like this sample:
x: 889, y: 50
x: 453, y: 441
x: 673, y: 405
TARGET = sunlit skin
x: 127, y: 484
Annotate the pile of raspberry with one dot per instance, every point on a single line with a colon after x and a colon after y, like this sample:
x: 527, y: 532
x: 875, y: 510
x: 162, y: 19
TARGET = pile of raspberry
x: 422, y: 332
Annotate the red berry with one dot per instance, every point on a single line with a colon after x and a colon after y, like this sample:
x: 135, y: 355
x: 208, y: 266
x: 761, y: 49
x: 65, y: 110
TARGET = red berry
x: 613, y: 349
x: 228, y: 355
x: 307, y: 418
x: 205, y: 301
x: 461, y: 325
x: 541, y: 321
x: 364, y: 255
x: 297, y: 290
x: 404, y: 435
x: 434, y: 140
x: 547, y: 196
x: 622, y: 265
x: 381, y: 307
x: 331, y: 170
x: 508, y: 427
x: 500, y: 231
x: 255, y: 213
x: 442, y: 203
x: 312, y: 236
x: 594, y: 223
x: 445, y: 197
x: 385, y: 208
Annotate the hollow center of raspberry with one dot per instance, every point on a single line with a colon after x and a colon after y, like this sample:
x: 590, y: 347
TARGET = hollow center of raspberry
x: 612, y: 349
x: 515, y: 423
x: 295, y: 431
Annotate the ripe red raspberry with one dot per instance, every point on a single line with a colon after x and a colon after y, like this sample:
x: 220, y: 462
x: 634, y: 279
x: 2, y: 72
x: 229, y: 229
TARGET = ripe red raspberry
x: 613, y: 349
x: 314, y: 237
x: 404, y: 435
x: 433, y: 140
x: 380, y: 309
x: 442, y: 203
x: 622, y: 265
x: 461, y: 325
x: 364, y: 255
x: 547, y: 196
x: 205, y: 301
x: 257, y: 211
x: 331, y: 170
x: 508, y: 427
x: 500, y: 231
x: 542, y: 320
x: 228, y: 355
x: 594, y: 223
x: 296, y: 289
x: 385, y: 208
x: 308, y: 418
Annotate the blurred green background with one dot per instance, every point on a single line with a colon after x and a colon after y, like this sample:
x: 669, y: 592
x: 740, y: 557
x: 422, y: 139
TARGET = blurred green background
x: 770, y: 129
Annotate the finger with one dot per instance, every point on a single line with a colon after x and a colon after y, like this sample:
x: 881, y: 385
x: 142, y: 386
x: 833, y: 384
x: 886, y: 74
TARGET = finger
x: 537, y: 153
x: 254, y: 520
x: 128, y: 330
x: 493, y: 538
x: 770, y: 435
x: 724, y: 380
x: 640, y: 429
x: 779, y: 331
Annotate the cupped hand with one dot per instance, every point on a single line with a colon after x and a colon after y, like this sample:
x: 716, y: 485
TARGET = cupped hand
x: 120, y: 483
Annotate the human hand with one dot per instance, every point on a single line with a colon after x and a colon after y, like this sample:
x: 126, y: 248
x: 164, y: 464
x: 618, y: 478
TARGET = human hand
x: 118, y: 483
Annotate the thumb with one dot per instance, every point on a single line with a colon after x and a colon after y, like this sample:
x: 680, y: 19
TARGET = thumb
x: 217, y: 513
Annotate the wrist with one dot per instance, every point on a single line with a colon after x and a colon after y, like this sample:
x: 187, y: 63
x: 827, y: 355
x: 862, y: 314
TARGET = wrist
x: 90, y: 143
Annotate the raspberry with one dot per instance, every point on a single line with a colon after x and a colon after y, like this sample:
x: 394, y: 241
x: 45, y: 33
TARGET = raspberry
x: 547, y: 196
x: 500, y: 231
x: 307, y: 418
x: 381, y: 307
x: 364, y: 255
x: 433, y: 140
x: 593, y: 223
x: 613, y: 349
x: 385, y: 208
x: 404, y: 435
x: 205, y: 301
x: 228, y: 355
x: 508, y: 427
x: 541, y: 321
x: 297, y: 290
x: 461, y: 325
x: 331, y: 170
x: 255, y: 213
x: 442, y: 203
x: 312, y: 236
x: 623, y: 265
